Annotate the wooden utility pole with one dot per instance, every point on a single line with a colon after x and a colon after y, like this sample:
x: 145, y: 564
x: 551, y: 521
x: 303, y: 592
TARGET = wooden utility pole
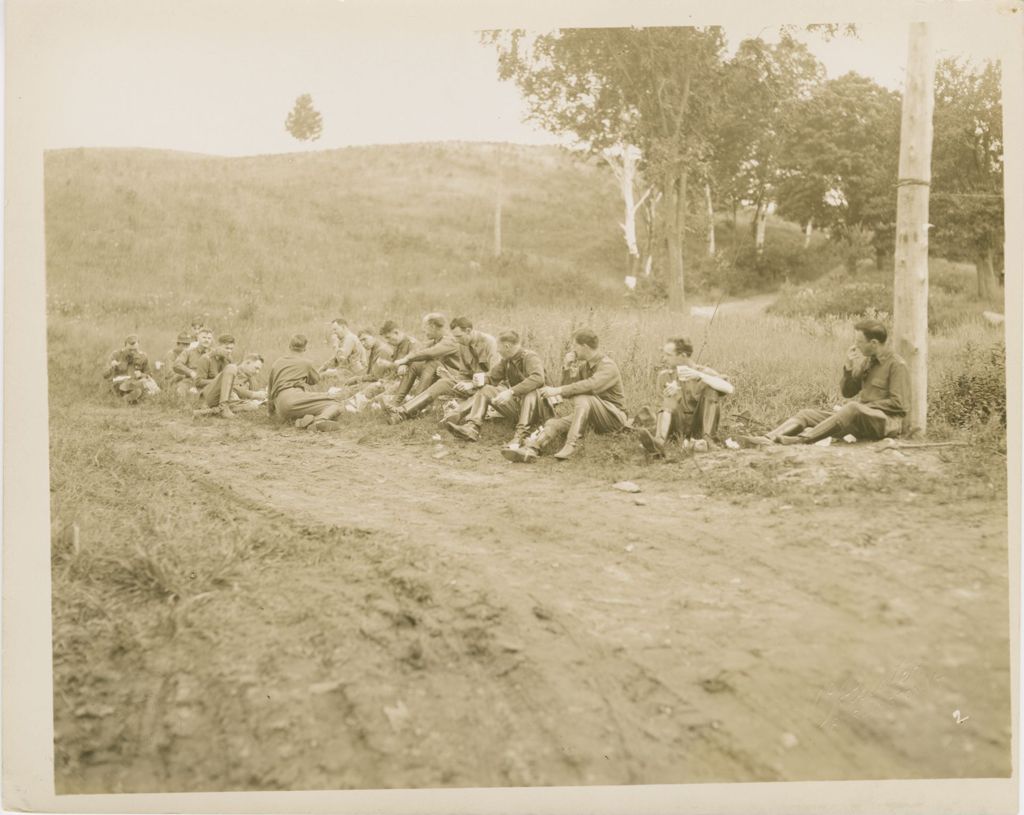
x: 910, y: 289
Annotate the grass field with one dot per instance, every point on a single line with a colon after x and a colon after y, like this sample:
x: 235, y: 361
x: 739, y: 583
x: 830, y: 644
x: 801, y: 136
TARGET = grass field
x: 238, y: 606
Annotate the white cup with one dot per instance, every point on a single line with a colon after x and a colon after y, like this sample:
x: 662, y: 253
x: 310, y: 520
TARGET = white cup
x: 479, y: 379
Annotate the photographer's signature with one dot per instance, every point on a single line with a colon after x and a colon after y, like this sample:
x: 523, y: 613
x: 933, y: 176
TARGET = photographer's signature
x: 853, y: 697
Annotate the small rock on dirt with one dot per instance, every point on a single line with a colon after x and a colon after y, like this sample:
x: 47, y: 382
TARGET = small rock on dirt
x: 397, y: 715
x: 640, y: 502
x: 94, y: 711
x: 325, y: 687
x: 541, y: 613
x: 626, y: 486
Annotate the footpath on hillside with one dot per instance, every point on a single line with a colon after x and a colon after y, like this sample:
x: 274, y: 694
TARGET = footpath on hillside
x: 434, y: 616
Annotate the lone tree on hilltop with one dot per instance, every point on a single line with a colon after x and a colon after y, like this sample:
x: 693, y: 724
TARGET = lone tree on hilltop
x: 304, y: 122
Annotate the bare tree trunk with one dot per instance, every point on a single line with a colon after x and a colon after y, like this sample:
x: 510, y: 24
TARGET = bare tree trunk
x: 807, y: 233
x: 760, y: 222
x: 988, y: 289
x: 711, y: 220
x: 673, y: 220
x: 910, y: 306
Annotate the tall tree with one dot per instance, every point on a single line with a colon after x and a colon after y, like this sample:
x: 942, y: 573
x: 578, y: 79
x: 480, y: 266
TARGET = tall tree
x: 304, y: 121
x: 839, y: 161
x: 650, y: 87
x: 967, y: 167
x: 764, y: 82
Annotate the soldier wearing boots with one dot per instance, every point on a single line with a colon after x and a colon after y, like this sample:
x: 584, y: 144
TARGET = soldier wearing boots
x: 690, y: 400
x: 459, y: 373
x: 877, y: 383
x: 591, y: 381
x: 511, y: 388
x: 419, y: 367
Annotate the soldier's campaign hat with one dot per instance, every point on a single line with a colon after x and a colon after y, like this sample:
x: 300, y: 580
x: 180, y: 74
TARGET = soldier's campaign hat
x: 224, y: 339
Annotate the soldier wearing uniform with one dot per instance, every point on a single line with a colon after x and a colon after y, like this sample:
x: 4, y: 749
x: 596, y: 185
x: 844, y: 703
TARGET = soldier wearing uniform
x: 690, y: 400
x: 215, y: 376
x: 288, y: 398
x: 128, y: 370
x: 876, y: 382
x: 474, y: 354
x: 511, y: 387
x: 187, y: 363
x: 593, y: 383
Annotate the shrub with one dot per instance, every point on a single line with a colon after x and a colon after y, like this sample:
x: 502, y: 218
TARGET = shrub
x: 973, y: 391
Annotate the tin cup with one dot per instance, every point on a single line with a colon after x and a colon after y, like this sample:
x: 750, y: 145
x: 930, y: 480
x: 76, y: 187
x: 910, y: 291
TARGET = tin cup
x: 479, y: 379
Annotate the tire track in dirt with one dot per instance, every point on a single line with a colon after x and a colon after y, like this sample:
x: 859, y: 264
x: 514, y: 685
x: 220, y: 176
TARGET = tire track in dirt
x: 551, y: 631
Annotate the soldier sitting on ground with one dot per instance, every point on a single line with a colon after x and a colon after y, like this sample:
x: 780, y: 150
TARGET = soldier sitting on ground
x: 128, y: 370
x: 184, y: 340
x: 460, y: 373
x: 215, y: 376
x: 877, y: 383
x: 690, y: 401
x: 418, y: 367
x: 592, y: 382
x: 288, y: 398
x: 187, y: 363
x: 246, y: 393
x: 363, y: 388
x: 349, y: 357
x: 520, y: 373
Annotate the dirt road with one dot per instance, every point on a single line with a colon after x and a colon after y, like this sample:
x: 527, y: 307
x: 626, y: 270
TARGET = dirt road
x: 437, y: 616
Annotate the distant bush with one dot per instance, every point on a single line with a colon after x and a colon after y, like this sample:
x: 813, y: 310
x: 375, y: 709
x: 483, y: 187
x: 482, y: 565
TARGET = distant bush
x: 870, y: 296
x: 973, y: 390
x: 830, y: 298
x: 741, y: 270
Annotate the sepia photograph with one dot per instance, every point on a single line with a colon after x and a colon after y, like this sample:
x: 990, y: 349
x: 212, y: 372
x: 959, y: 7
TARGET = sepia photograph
x: 440, y: 406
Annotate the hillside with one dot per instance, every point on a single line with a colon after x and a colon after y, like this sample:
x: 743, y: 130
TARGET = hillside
x: 130, y: 226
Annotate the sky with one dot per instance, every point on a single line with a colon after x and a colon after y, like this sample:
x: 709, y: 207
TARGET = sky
x: 213, y: 83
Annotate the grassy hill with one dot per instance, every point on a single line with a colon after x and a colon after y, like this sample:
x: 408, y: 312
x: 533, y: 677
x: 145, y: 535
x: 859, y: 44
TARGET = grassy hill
x: 336, y: 229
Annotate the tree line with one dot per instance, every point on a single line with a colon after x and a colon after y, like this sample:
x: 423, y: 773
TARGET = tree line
x: 690, y: 130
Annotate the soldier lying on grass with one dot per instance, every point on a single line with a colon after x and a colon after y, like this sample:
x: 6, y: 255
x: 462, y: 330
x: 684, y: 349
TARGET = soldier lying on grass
x: 520, y: 375
x: 128, y: 370
x: 592, y: 382
x: 877, y: 383
x: 287, y: 396
x: 690, y: 406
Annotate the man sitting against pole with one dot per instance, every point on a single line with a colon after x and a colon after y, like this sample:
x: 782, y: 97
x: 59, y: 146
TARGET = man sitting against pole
x: 877, y: 383
x: 522, y: 373
x: 690, y: 400
x: 592, y: 381
x: 287, y: 397
x: 215, y: 376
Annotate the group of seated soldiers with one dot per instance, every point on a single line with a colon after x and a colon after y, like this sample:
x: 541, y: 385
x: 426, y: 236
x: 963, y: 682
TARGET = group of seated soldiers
x: 474, y: 375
